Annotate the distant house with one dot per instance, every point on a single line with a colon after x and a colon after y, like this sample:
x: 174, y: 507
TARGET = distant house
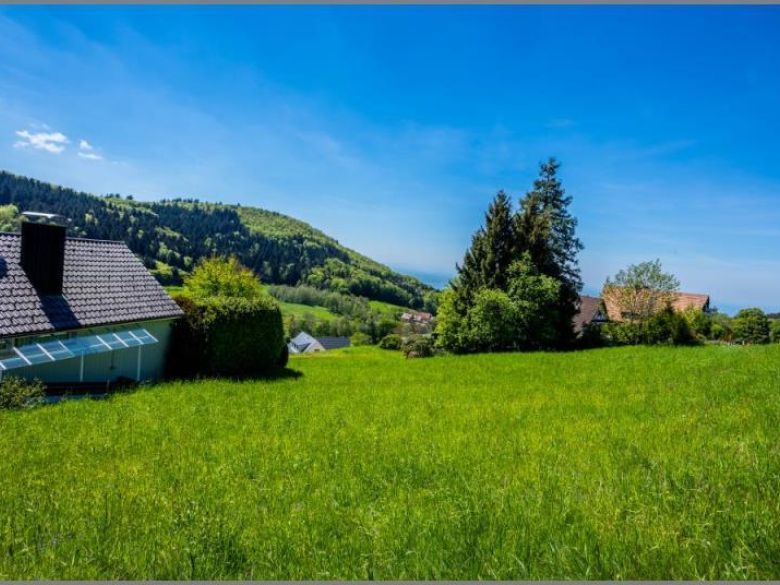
x: 334, y: 342
x: 78, y: 311
x: 596, y: 310
x: 305, y: 343
x: 680, y: 301
x: 419, y: 317
x: 589, y: 311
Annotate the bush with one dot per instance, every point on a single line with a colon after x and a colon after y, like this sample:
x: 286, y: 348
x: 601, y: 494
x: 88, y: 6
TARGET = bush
x: 418, y: 346
x: 591, y: 337
x: 360, y: 338
x: 492, y: 321
x: 226, y: 336
x: 751, y: 326
x: 524, y: 316
x: 774, y: 331
x: 392, y: 341
x: 665, y: 328
x: 17, y: 393
x: 224, y: 277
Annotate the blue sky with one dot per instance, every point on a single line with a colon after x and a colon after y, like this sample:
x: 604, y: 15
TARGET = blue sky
x: 391, y: 128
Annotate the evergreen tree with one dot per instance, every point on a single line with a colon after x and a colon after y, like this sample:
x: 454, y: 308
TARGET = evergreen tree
x: 486, y: 262
x: 547, y: 231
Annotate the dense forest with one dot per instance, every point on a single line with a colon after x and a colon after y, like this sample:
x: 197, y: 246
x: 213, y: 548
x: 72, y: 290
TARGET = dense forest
x: 171, y: 236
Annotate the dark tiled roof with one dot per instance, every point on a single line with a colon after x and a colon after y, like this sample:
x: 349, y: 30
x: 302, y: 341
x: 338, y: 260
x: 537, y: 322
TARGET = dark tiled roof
x: 333, y: 342
x: 104, y: 283
x: 589, y: 310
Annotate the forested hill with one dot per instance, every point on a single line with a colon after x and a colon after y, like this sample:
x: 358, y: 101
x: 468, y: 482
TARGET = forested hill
x: 172, y: 235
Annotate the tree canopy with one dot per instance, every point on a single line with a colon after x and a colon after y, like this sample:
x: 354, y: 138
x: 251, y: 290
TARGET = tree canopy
x: 641, y: 290
x: 518, y: 285
x: 223, y: 277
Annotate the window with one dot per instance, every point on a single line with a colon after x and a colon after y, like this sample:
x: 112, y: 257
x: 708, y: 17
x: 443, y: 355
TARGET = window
x: 33, y: 351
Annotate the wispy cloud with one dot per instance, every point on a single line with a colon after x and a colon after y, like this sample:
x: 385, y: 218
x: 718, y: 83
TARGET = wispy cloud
x: 53, y: 142
x: 87, y: 151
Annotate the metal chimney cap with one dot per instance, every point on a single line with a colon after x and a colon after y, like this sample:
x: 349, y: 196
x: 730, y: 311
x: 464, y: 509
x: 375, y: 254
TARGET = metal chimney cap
x: 46, y: 218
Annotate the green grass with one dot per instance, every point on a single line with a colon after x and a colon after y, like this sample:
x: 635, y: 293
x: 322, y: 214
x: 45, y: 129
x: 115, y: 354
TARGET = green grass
x: 320, y: 313
x: 644, y: 463
x: 387, y: 308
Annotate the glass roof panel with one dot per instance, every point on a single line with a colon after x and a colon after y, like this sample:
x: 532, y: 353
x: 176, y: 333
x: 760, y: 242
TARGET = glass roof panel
x: 111, y: 340
x: 32, y: 354
x: 128, y: 338
x: 57, y: 350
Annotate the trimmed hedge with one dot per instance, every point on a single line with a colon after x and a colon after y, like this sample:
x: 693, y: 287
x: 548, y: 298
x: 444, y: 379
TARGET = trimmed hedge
x: 226, y: 336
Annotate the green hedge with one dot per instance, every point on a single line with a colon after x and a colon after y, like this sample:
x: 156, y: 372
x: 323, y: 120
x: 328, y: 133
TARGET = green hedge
x: 224, y: 336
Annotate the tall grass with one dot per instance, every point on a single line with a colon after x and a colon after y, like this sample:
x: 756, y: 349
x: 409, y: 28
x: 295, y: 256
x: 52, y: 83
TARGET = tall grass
x: 639, y: 463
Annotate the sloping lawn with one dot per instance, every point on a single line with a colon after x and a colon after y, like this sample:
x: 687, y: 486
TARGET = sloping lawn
x: 638, y: 463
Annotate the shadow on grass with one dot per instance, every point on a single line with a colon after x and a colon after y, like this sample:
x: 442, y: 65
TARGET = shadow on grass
x: 59, y: 392
x: 277, y: 374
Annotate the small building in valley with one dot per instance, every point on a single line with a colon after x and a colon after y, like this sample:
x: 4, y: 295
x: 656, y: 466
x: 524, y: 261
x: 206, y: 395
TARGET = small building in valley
x: 77, y: 311
x: 418, y: 317
x: 305, y: 343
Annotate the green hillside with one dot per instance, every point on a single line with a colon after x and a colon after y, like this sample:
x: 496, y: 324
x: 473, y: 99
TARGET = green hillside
x: 628, y: 463
x: 171, y: 236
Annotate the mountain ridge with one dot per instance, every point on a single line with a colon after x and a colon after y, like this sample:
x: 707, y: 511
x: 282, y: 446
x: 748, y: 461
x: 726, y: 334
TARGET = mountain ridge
x: 172, y: 235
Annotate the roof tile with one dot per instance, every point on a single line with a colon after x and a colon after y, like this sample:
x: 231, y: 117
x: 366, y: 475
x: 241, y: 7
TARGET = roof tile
x: 104, y: 283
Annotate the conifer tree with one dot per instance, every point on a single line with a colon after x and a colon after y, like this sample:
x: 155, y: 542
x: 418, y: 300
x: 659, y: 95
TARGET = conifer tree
x: 547, y: 231
x: 487, y: 261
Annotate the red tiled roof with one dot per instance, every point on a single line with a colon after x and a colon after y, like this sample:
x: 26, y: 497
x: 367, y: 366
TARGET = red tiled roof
x: 680, y: 301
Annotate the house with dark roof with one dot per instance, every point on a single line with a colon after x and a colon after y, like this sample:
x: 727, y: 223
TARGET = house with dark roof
x: 589, y: 312
x: 78, y: 311
x: 305, y: 343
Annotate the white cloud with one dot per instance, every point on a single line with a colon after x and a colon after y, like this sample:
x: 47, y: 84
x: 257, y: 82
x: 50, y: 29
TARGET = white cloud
x: 53, y: 142
x: 87, y: 151
x: 90, y: 156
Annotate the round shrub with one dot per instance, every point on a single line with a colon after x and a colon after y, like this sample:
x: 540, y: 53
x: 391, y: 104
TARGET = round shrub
x: 226, y: 336
x: 391, y: 341
x: 360, y: 338
x: 17, y: 393
x: 418, y: 346
x: 751, y: 326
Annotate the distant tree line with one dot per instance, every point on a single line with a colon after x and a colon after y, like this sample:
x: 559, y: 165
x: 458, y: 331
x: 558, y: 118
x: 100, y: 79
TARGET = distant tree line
x: 171, y: 236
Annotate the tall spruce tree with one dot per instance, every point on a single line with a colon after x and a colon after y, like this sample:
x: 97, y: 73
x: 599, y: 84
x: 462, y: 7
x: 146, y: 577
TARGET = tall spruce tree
x: 486, y: 263
x: 547, y: 231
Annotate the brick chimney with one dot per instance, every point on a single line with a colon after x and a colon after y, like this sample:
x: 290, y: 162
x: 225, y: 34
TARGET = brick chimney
x: 43, y: 251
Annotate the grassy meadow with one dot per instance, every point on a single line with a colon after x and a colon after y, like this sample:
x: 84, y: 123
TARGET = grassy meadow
x: 641, y: 463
